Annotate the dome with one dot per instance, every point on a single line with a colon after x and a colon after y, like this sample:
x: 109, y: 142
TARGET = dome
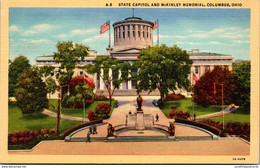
x: 132, y: 34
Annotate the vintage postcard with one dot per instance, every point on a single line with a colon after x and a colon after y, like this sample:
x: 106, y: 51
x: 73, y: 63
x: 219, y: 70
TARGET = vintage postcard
x: 129, y: 82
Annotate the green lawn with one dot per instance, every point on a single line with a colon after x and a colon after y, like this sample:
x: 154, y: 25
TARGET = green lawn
x: 79, y: 112
x: 241, y: 115
x: 17, y: 121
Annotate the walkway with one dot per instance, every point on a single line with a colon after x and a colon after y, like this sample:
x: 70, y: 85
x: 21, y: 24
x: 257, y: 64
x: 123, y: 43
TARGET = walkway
x: 217, y: 114
x: 53, y: 114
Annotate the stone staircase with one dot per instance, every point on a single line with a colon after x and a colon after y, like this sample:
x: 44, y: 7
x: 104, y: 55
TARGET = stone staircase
x: 127, y: 92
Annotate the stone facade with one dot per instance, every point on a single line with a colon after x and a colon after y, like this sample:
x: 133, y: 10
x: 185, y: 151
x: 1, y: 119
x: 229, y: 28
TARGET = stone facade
x: 130, y: 36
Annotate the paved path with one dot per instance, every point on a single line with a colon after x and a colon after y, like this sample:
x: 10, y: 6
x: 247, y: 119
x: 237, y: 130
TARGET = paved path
x: 53, y: 114
x: 208, y: 147
x: 226, y: 111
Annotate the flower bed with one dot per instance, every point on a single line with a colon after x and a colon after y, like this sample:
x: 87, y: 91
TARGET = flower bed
x: 174, y: 96
x: 23, y: 137
x: 102, y: 110
x: 179, y: 114
x: 233, y: 129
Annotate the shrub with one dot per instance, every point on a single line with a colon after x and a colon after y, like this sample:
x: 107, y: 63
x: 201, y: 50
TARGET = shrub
x: 173, y: 107
x: 174, y: 96
x: 102, y: 110
x: 179, y: 114
x: 89, y: 101
x: 101, y: 98
x: 91, y: 115
x: 31, y: 93
x: 23, y: 137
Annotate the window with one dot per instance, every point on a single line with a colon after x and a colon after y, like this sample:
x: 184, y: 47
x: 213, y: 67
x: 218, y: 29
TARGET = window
x: 196, y: 69
x: 133, y: 30
x: 207, y: 68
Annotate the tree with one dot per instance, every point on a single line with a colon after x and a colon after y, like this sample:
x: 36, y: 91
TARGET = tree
x: 46, y: 70
x: 68, y: 55
x: 31, y: 92
x: 163, y: 68
x: 78, y: 93
x: 242, y: 71
x: 114, y: 72
x: 51, y: 86
x: 205, y: 95
x: 16, y: 68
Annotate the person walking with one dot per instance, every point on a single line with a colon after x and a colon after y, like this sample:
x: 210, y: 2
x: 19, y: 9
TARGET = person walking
x: 94, y: 130
x: 91, y: 130
x: 194, y: 117
x: 88, y: 137
x: 157, y: 118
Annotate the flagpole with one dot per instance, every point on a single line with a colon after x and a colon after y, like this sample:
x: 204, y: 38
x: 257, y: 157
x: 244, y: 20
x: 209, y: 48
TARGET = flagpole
x: 109, y: 35
x: 157, y: 32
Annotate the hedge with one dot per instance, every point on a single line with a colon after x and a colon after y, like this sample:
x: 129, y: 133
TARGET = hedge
x: 72, y: 129
x: 210, y: 128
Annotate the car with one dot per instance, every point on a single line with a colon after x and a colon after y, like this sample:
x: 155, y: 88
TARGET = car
x: 155, y: 103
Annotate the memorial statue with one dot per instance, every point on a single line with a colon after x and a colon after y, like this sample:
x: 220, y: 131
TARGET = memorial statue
x: 139, y: 102
x: 110, y: 130
x: 171, y: 129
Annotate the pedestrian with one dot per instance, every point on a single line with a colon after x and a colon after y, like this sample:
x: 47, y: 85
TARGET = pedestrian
x: 194, y: 116
x: 94, y: 130
x: 90, y: 130
x: 157, y: 118
x: 88, y: 137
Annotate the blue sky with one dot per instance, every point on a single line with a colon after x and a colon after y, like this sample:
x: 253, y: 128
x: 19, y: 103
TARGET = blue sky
x: 36, y: 31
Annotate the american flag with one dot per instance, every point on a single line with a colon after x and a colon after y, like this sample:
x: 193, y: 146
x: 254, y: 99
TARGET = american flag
x: 195, y: 78
x: 154, y: 24
x: 104, y: 27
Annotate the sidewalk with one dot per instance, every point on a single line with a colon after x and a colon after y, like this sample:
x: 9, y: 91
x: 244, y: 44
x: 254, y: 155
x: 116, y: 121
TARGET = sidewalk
x: 53, y: 114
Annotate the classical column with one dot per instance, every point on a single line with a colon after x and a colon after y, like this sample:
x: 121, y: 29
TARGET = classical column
x: 129, y: 82
x: 136, y: 32
x: 110, y: 74
x: 131, y: 31
x: 145, y: 31
x: 141, y: 31
x: 102, y: 86
x: 211, y: 67
x: 119, y: 76
x: 121, y: 34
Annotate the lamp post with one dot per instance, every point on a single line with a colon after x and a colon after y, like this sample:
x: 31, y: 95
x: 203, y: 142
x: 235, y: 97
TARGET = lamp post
x: 222, y: 86
x: 81, y: 73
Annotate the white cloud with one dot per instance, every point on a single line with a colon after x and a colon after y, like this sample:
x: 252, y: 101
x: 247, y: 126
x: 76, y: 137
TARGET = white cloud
x: 180, y: 37
x: 39, y: 28
x: 241, y: 41
x: 83, y: 32
x: 29, y: 32
x: 39, y: 41
x: 98, y: 37
x: 179, y: 42
x: 191, y: 43
x: 43, y: 27
x: 13, y: 28
x: 62, y: 36
x: 215, y: 43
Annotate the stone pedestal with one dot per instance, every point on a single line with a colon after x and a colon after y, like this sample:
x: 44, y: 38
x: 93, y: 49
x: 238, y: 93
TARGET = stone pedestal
x: 139, y: 120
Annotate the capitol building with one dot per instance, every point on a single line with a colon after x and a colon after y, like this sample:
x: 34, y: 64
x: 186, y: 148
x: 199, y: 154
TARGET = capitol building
x: 131, y: 35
